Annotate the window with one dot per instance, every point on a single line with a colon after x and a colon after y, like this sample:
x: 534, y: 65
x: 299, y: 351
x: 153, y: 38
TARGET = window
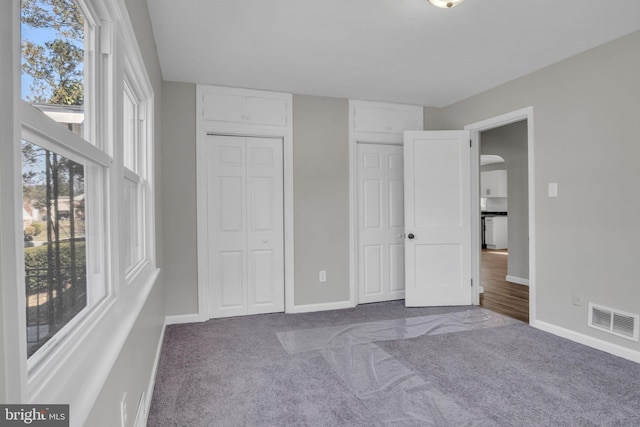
x: 55, y: 64
x: 63, y: 176
x: 86, y: 191
x: 136, y: 183
x: 54, y: 210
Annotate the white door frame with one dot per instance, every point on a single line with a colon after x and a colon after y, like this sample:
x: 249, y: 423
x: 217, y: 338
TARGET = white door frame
x: 243, y: 130
x: 476, y: 129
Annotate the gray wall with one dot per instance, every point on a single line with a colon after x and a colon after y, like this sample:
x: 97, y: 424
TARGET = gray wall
x: 132, y: 371
x: 134, y: 367
x: 321, y: 198
x: 179, y: 203
x: 510, y: 142
x: 433, y: 118
x: 586, y: 110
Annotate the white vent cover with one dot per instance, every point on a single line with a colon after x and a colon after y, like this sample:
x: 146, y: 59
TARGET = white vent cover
x: 615, y: 322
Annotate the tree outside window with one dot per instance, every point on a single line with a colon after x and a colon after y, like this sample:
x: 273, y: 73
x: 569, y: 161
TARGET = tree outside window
x: 53, y: 185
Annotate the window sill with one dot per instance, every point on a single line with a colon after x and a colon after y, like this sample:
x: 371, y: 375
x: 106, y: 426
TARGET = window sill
x: 92, y: 347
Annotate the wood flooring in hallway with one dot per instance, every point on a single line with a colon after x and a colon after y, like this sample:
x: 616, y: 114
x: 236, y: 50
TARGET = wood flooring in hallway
x: 499, y: 295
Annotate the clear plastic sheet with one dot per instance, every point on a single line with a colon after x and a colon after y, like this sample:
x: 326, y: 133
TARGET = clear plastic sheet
x: 394, y: 394
x: 304, y: 340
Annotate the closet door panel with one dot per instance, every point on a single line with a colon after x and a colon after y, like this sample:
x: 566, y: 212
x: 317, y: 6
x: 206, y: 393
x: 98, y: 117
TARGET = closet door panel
x: 265, y: 243
x: 226, y: 201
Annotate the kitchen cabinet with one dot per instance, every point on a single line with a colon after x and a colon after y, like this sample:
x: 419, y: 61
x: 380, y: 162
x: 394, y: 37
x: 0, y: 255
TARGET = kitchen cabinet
x: 496, y: 235
x: 493, y: 184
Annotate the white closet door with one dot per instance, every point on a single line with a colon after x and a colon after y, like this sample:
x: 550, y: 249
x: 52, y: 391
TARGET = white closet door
x: 245, y: 211
x: 265, y: 225
x: 380, y: 223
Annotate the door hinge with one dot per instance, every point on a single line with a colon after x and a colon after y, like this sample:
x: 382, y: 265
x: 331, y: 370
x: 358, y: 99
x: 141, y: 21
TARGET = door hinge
x: 470, y: 142
x: 472, y: 283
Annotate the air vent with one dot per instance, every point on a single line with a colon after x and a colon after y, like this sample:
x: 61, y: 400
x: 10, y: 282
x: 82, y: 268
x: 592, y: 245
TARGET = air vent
x: 615, y: 322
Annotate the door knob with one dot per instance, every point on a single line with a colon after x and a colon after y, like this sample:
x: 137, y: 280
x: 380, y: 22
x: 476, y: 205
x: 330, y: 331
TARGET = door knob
x: 411, y: 236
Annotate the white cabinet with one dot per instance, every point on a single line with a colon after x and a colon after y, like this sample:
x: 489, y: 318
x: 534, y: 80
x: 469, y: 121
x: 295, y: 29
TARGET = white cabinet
x: 496, y: 232
x: 244, y: 106
x: 493, y: 184
x: 385, y: 118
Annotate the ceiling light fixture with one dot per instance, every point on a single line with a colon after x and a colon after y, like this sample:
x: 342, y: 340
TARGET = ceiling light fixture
x: 445, y: 4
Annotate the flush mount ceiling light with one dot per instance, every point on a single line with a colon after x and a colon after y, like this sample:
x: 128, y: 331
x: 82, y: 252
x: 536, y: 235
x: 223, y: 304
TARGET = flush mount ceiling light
x: 445, y: 4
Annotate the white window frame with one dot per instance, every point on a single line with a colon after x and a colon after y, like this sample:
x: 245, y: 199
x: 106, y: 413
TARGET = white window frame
x: 137, y: 85
x: 38, y: 130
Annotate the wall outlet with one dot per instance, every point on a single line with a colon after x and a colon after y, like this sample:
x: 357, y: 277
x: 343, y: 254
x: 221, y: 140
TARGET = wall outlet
x: 322, y: 276
x: 123, y: 410
x: 576, y: 298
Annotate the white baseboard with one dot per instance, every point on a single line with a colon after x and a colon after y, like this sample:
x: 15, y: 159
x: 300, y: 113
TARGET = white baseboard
x: 615, y: 349
x: 152, y: 381
x: 182, y: 318
x: 518, y: 280
x: 308, y: 308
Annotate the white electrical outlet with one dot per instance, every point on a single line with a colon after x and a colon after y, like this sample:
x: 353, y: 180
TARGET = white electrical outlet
x: 322, y: 277
x: 123, y: 410
x: 553, y: 189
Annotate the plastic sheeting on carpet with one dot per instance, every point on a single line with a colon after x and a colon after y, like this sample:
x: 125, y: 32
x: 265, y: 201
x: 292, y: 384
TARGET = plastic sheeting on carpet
x: 304, y: 340
x: 394, y: 394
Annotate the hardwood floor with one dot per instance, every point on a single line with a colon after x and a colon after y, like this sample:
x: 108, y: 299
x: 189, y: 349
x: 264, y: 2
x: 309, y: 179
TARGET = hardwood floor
x: 499, y: 295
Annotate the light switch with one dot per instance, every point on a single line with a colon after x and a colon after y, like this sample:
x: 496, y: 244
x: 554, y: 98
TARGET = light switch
x: 553, y: 189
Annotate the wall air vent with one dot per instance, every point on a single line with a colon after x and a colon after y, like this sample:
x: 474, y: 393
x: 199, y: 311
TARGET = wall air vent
x: 615, y: 322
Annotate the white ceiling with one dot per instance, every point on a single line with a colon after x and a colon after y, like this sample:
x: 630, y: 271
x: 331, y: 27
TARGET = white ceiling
x: 403, y: 51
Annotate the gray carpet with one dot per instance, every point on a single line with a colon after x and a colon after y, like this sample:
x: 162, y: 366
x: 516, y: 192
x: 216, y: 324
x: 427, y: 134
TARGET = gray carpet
x: 235, y: 372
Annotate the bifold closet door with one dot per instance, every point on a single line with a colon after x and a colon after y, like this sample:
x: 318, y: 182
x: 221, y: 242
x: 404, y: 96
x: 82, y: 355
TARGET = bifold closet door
x: 246, y: 230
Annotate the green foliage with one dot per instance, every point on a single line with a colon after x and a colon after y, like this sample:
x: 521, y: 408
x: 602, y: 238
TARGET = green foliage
x: 37, y: 227
x: 29, y: 231
x: 55, y: 65
x: 36, y: 261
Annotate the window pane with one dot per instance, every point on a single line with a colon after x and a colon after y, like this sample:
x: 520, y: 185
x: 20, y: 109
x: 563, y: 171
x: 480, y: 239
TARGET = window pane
x: 53, y: 198
x: 53, y: 60
x: 130, y: 131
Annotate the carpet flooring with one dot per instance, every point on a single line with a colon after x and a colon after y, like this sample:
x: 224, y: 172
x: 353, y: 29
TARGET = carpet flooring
x: 235, y: 372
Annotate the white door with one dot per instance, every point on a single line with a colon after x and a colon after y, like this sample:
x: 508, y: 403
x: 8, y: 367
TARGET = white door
x: 380, y: 223
x: 437, y: 218
x: 245, y: 211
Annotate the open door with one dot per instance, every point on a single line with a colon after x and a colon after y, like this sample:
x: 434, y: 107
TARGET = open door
x: 437, y: 202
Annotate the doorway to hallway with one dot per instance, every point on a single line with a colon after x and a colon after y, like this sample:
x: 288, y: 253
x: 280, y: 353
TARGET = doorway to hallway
x: 513, y: 268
